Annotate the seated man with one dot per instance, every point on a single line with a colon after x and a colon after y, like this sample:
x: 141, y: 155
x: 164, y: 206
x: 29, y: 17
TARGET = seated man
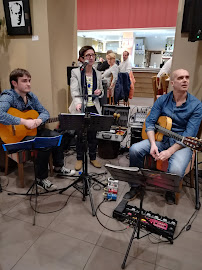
x: 20, y: 97
x: 186, y: 113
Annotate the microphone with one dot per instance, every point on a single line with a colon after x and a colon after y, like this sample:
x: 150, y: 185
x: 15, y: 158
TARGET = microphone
x: 85, y: 63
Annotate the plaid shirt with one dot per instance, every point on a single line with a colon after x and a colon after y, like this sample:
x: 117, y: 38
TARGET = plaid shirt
x: 10, y: 98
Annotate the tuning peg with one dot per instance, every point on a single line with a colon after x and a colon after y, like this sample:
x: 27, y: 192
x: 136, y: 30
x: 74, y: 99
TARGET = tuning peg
x: 115, y: 115
x: 118, y: 115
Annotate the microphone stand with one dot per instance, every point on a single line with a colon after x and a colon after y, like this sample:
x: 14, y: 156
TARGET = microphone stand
x: 83, y: 68
x: 85, y: 177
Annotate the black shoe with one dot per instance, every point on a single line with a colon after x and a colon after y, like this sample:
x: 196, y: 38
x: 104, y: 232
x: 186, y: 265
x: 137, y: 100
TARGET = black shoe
x: 46, y: 184
x: 170, y: 197
x: 132, y: 194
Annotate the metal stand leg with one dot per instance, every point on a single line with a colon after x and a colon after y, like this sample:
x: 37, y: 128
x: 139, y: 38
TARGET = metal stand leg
x: 29, y: 192
x: 0, y: 185
x: 129, y: 246
x: 198, y: 204
x: 85, y: 178
x: 36, y: 194
x: 136, y: 229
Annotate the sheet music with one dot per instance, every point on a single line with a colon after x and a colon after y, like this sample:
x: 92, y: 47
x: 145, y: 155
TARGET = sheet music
x: 82, y: 114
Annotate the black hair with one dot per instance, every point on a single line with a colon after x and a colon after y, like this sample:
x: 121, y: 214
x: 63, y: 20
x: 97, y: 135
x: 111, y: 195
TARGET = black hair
x: 84, y: 49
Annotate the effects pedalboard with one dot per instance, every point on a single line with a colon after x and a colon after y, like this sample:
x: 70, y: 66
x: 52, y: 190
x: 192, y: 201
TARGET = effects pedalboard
x: 153, y: 223
x: 111, y: 189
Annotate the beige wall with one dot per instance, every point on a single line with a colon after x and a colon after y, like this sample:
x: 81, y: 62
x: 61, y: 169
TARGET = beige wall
x: 62, y: 30
x: 55, y: 24
x: 188, y: 55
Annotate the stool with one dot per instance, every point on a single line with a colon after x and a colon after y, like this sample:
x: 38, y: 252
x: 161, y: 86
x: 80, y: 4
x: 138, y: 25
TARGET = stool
x: 21, y: 157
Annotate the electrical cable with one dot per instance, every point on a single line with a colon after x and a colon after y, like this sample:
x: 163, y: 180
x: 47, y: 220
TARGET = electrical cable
x: 187, y: 227
x: 49, y: 212
x: 104, y: 200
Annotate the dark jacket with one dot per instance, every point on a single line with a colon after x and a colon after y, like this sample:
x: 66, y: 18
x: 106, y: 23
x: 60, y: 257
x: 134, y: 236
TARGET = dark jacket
x: 122, y: 87
x: 102, y: 66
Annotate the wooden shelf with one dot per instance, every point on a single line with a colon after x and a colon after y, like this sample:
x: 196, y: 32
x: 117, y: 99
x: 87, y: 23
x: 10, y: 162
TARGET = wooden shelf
x: 143, y: 85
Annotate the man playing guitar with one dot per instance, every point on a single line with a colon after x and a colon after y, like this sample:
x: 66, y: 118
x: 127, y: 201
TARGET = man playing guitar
x: 20, y: 97
x: 185, y: 110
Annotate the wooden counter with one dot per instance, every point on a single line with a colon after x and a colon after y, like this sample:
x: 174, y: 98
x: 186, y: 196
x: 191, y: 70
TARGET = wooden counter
x: 143, y: 85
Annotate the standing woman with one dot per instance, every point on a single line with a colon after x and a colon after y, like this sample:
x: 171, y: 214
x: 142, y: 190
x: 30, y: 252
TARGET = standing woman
x: 86, y: 81
x: 111, y: 74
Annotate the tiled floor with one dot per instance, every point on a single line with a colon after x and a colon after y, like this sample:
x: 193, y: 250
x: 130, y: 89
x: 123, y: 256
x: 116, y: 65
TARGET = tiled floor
x: 67, y: 236
x: 71, y: 238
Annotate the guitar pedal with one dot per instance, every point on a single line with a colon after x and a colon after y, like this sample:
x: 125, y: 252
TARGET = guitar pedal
x: 111, y: 190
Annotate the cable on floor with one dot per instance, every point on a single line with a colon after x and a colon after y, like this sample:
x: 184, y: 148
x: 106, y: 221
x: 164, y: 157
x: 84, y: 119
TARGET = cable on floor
x: 98, y: 208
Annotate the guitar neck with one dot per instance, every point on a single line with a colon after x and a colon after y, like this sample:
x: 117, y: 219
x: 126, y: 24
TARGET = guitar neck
x: 51, y: 120
x: 170, y: 133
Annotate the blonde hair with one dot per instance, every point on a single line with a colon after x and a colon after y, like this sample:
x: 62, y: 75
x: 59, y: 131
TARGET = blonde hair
x: 111, y: 55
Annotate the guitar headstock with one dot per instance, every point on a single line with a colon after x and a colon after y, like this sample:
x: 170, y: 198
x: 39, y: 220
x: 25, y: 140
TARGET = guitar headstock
x: 193, y: 143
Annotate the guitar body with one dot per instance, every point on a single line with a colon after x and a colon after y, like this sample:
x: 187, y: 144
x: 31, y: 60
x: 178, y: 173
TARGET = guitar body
x: 16, y: 133
x: 163, y: 121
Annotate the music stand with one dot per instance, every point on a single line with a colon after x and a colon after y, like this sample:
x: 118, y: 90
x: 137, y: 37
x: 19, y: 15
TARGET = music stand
x: 142, y: 177
x: 33, y: 145
x: 84, y: 123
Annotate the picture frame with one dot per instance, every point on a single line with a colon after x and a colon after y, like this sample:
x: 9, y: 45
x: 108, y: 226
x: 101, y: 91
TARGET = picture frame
x: 18, y: 19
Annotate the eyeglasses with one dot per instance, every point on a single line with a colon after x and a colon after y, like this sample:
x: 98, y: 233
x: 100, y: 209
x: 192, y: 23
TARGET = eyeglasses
x: 90, y: 55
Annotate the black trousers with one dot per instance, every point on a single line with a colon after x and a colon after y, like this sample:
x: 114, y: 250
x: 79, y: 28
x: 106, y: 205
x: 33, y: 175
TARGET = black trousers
x: 91, y: 139
x: 42, y: 159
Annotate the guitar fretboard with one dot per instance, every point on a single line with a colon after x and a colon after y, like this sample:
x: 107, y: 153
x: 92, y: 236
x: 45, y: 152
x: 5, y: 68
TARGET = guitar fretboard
x: 51, y: 120
x: 169, y: 133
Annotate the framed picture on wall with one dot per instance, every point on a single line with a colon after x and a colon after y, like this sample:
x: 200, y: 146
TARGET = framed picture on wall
x: 18, y: 19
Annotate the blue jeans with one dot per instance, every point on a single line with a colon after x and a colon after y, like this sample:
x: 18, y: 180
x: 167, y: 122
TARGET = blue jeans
x: 177, y: 163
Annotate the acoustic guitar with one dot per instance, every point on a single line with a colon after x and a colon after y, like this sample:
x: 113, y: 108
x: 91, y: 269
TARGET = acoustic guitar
x: 163, y: 127
x: 16, y: 133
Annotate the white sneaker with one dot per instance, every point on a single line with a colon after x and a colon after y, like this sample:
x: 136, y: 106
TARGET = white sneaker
x: 65, y: 171
x: 46, y: 184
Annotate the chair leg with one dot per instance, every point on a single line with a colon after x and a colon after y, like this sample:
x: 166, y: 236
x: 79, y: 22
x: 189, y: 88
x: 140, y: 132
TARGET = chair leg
x: 177, y: 194
x: 177, y: 197
x: 192, y: 178
x: 21, y: 174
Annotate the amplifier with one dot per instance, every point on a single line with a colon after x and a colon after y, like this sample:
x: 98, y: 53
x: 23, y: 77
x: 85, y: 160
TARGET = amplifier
x: 152, y: 222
